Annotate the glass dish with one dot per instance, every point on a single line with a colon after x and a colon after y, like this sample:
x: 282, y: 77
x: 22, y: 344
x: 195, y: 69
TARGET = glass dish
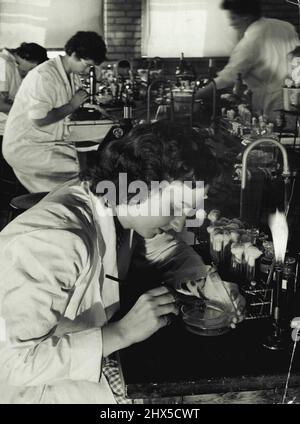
x: 209, y: 319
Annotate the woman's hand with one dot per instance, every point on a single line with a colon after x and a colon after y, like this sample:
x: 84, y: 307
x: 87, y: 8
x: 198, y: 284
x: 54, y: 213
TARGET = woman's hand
x: 57, y: 114
x: 80, y: 97
x: 150, y: 313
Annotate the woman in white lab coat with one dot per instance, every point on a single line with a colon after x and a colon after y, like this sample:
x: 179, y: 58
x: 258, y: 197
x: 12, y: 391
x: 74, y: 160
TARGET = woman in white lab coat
x: 34, y: 142
x: 261, y: 56
x: 56, y: 299
x: 14, y: 66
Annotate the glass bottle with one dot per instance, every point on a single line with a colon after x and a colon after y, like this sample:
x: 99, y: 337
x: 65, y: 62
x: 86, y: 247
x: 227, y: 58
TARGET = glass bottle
x: 238, y: 86
x: 184, y: 70
x: 211, y: 69
x: 288, y: 290
x: 255, y: 130
x: 266, y: 260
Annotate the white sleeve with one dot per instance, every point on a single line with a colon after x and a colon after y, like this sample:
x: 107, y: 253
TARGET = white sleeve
x: 42, y: 92
x: 5, y: 70
x: 242, y: 60
x: 34, y: 294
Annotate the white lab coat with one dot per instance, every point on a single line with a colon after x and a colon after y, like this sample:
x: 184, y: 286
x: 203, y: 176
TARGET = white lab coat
x: 261, y: 57
x: 41, y: 157
x: 10, y: 81
x: 54, y: 296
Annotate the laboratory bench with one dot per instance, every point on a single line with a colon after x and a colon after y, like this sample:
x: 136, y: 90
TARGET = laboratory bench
x: 177, y: 366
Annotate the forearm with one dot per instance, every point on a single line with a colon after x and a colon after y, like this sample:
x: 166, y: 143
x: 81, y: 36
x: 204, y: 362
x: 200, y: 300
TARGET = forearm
x: 114, y: 338
x: 55, y: 115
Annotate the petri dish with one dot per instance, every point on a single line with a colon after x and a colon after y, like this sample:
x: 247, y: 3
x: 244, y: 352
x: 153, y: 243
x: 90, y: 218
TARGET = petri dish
x: 209, y: 319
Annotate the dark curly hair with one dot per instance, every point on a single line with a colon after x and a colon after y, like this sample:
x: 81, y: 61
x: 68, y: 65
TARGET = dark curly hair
x: 87, y: 45
x: 32, y: 52
x: 243, y: 7
x: 161, y: 151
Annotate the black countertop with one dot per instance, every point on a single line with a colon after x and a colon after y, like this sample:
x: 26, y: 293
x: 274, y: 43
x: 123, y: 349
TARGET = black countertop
x: 175, y: 362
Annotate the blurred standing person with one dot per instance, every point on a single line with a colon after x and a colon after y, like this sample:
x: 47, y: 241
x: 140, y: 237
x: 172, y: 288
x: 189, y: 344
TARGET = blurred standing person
x: 261, y: 55
x: 14, y: 66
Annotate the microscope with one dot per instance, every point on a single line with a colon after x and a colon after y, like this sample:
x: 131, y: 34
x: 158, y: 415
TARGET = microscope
x: 125, y: 124
x: 88, y: 111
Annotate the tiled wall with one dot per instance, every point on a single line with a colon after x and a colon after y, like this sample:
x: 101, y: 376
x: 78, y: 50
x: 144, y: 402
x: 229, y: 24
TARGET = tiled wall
x: 123, y: 28
x: 123, y: 24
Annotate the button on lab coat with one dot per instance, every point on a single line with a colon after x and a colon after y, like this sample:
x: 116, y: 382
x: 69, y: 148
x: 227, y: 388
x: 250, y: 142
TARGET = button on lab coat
x: 261, y: 57
x: 41, y: 157
x: 54, y: 297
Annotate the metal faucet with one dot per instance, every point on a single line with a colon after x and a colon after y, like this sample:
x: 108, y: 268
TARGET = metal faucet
x: 286, y: 169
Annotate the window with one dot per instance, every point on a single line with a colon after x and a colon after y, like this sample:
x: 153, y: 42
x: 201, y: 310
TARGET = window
x: 199, y: 28
x: 47, y: 22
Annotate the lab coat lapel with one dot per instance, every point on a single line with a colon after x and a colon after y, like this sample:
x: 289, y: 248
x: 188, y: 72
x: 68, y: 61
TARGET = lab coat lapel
x: 108, y: 290
x: 125, y: 254
x: 69, y: 86
x: 106, y: 237
x: 80, y: 295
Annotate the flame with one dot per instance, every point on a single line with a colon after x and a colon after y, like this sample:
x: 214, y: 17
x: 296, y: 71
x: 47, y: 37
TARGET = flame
x: 280, y: 233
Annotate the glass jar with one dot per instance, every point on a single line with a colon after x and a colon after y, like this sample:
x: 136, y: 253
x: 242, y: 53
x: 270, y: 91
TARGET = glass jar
x: 289, y: 265
x: 265, y: 264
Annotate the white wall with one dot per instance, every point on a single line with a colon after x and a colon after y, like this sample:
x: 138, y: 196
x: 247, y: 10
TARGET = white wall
x: 47, y: 22
x: 199, y: 28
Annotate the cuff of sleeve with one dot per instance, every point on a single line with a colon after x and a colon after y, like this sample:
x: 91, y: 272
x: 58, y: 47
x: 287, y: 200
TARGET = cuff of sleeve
x: 86, y: 354
x: 39, y: 112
